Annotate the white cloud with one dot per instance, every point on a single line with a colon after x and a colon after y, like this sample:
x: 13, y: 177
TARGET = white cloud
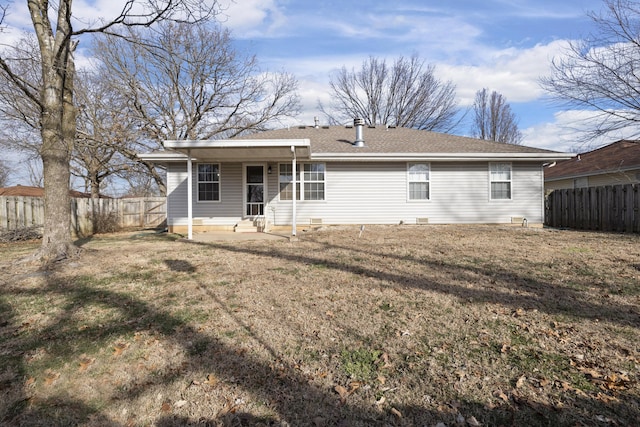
x: 564, y: 133
x: 252, y: 18
x: 515, y: 73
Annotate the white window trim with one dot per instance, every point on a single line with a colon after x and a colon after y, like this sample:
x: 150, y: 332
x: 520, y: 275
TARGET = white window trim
x: 409, y: 181
x: 197, y: 181
x: 510, y: 181
x: 301, y: 182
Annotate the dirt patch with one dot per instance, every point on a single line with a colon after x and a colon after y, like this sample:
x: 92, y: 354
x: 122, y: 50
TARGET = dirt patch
x: 396, y: 325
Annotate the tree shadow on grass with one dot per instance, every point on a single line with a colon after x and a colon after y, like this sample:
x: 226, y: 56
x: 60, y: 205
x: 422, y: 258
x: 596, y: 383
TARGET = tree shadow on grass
x: 282, y: 388
x: 507, y: 287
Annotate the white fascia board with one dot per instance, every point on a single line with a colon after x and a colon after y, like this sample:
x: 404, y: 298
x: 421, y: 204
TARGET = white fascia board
x: 236, y: 143
x: 543, y: 157
x: 163, y: 157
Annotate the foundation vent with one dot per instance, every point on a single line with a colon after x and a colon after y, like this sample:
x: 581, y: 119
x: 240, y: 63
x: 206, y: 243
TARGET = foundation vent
x: 422, y: 221
x: 517, y: 220
x: 315, y: 221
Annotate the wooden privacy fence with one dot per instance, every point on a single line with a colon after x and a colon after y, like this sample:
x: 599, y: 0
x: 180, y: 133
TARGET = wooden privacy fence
x: 610, y: 208
x: 143, y: 212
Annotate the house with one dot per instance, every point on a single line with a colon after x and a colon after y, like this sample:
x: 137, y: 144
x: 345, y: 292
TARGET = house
x: 350, y: 175
x: 613, y: 164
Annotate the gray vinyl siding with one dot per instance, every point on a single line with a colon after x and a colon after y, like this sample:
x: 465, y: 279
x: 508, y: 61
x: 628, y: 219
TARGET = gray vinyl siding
x: 376, y: 193
x: 372, y: 193
x: 228, y: 211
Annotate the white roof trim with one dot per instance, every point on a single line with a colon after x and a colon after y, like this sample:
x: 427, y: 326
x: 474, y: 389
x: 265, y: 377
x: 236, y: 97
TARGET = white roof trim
x: 167, y: 157
x: 440, y: 156
x: 237, y: 143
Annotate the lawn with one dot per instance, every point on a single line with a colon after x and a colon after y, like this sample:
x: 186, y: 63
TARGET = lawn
x: 398, y: 325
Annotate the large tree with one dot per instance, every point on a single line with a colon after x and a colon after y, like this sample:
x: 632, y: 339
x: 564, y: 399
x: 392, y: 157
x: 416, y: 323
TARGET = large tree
x: 601, y: 73
x: 4, y: 174
x: 57, y: 39
x: 101, y: 130
x: 406, y: 93
x: 189, y: 82
x: 493, y: 118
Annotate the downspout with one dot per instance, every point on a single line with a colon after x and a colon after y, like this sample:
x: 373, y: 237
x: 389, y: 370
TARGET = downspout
x: 293, y: 205
x: 189, y: 197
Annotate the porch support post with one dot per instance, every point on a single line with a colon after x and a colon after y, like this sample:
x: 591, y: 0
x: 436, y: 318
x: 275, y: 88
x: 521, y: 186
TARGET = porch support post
x: 293, y: 204
x: 189, y: 196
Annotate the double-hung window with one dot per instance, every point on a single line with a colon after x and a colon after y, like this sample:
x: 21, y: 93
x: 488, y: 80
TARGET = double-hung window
x: 500, y: 181
x: 418, y: 181
x: 313, y: 181
x: 309, y: 179
x: 208, y: 182
x: 285, y: 178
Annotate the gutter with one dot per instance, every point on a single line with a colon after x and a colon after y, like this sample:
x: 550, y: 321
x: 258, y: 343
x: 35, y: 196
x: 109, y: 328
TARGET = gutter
x: 381, y: 157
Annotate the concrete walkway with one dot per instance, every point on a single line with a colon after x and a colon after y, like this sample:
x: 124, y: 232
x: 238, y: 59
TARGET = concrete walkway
x: 217, y: 236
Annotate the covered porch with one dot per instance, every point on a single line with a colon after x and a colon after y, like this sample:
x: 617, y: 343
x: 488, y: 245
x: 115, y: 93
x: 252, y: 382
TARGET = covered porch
x: 258, y: 160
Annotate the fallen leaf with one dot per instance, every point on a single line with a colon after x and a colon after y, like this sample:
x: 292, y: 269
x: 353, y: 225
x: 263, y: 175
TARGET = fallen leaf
x: 166, y: 407
x: 29, y: 381
x: 505, y: 348
x: 544, y: 382
x: 565, y: 386
x: 607, y: 399
x: 499, y: 394
x: 395, y: 412
x: 119, y: 348
x: 381, y: 379
x: 51, y: 377
x: 521, y: 381
x: 211, y: 380
x: 473, y: 422
x: 518, y: 312
x: 385, y: 358
x: 342, y: 392
x: 381, y: 401
x: 353, y: 386
x: 85, y: 362
x: 180, y: 403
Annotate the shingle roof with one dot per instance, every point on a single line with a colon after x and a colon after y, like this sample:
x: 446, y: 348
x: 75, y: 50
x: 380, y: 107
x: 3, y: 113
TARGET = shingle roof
x: 618, y: 156
x: 340, y: 139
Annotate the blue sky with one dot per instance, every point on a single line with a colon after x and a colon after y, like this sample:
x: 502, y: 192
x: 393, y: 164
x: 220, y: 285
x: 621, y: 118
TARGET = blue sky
x: 503, y: 45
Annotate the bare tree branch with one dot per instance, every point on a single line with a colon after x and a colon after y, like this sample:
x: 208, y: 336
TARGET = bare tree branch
x: 406, y: 94
x: 188, y: 82
x: 493, y: 119
x: 601, y: 73
x: 53, y: 93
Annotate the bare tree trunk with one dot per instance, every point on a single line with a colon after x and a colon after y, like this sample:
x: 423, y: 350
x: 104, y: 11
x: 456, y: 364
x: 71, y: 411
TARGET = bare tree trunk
x: 58, y: 130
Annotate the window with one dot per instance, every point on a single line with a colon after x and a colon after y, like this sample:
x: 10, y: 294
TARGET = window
x: 500, y: 177
x: 418, y: 181
x: 208, y: 182
x: 309, y: 185
x: 313, y: 181
x: 285, y: 179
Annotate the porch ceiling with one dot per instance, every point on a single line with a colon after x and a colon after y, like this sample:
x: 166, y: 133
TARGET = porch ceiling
x: 243, y: 150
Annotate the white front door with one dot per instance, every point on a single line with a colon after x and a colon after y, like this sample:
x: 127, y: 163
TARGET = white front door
x: 254, y: 190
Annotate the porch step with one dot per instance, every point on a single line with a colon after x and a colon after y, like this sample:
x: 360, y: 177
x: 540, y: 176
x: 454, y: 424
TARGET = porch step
x: 246, y: 226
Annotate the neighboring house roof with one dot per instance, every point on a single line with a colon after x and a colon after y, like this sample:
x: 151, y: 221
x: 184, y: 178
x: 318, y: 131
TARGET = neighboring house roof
x: 28, y: 191
x: 619, y: 156
x: 337, y: 143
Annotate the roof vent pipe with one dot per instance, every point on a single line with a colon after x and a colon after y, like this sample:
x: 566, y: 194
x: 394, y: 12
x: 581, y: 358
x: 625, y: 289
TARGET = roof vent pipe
x: 359, y: 125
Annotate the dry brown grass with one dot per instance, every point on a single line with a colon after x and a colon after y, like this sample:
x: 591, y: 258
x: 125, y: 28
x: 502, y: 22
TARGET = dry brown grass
x: 403, y: 326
